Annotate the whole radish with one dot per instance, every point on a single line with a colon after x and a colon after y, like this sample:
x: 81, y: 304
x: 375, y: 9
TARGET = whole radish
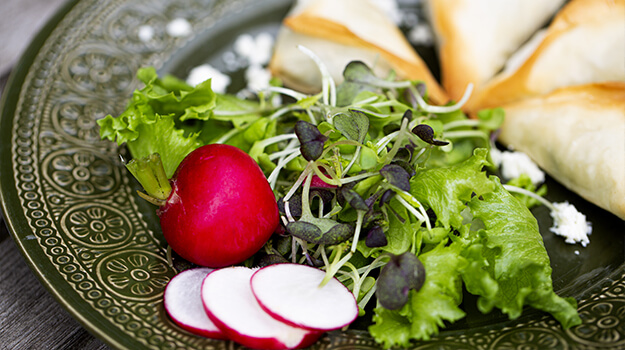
x: 220, y: 209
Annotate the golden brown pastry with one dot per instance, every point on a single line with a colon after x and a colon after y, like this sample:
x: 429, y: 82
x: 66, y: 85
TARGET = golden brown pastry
x: 476, y: 37
x: 339, y: 31
x: 584, y: 44
x: 577, y: 135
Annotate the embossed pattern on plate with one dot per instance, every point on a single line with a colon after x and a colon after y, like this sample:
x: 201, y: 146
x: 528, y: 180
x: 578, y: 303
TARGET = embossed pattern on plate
x: 97, y: 248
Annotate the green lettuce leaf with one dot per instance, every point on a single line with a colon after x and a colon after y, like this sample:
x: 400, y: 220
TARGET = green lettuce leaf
x: 428, y: 309
x: 510, y: 249
x: 447, y: 190
x: 151, y: 121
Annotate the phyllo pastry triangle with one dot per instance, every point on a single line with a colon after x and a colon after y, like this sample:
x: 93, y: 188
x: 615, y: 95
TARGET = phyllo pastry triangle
x: 584, y: 44
x: 340, y: 31
x: 475, y: 38
x: 577, y: 135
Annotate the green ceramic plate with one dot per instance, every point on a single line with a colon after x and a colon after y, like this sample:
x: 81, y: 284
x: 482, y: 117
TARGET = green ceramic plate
x: 72, y: 210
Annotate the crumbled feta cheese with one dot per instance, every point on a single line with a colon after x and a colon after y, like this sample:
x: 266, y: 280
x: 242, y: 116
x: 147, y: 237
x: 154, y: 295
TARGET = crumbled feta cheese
x: 219, y: 81
x: 570, y: 223
x: 256, y: 50
x: 145, y: 33
x: 179, y: 27
x: 257, y: 77
x: 513, y: 164
x: 420, y: 34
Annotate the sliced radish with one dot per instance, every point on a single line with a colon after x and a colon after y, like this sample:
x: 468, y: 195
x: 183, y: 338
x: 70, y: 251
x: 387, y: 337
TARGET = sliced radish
x: 183, y: 303
x: 291, y: 293
x: 230, y: 304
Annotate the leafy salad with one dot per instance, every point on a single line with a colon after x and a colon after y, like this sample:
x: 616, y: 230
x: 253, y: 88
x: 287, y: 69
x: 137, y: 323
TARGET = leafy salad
x: 391, y: 195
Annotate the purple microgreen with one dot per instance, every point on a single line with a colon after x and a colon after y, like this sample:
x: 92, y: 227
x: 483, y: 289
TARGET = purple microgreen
x: 311, y: 140
x: 387, y: 196
x: 373, y: 216
x: 406, y: 166
x: 313, y: 234
x: 407, y: 116
x: 390, y: 128
x: 401, y: 274
x: 403, y: 154
x: 270, y: 259
x: 376, y: 237
x: 426, y: 133
x: 354, y: 199
x: 396, y: 176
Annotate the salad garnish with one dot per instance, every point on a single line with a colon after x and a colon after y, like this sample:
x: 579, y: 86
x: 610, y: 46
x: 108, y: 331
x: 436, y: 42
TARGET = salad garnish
x: 394, y: 197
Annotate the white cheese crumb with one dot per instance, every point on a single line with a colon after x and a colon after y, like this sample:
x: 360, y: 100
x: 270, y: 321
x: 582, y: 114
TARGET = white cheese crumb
x: 513, y: 164
x: 421, y: 34
x: 256, y: 50
x: 570, y: 223
x: 576, y: 252
x: 179, y: 27
x: 199, y: 74
x: 145, y: 33
x: 257, y: 77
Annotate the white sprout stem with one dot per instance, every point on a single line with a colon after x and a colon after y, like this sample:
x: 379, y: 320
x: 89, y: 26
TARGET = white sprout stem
x: 296, y: 95
x: 276, y: 139
x: 379, y: 115
x: 282, y: 111
x: 444, y: 109
x: 313, y: 120
x: 328, y: 85
x: 297, y: 183
x: 520, y: 190
x: 398, y: 142
x: 365, y: 299
x: 287, y: 212
x: 219, y: 113
x: 420, y: 216
x: 361, y: 215
x: 291, y: 147
x: 225, y: 137
x: 465, y: 133
x: 353, y: 160
x: 335, y: 267
x: 284, y: 153
x: 385, y: 140
x: 342, y: 181
x: 281, y: 164
x: 365, y: 101
x: 460, y: 123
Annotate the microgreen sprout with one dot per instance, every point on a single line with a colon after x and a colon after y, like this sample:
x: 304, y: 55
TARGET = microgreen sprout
x: 401, y: 274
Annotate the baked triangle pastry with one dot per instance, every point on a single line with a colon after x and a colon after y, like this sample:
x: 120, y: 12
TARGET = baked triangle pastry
x: 584, y: 44
x: 475, y: 38
x: 339, y: 31
x: 577, y: 135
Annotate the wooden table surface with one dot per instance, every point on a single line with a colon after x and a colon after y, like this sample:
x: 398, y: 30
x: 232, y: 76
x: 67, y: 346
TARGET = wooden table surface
x: 30, y: 318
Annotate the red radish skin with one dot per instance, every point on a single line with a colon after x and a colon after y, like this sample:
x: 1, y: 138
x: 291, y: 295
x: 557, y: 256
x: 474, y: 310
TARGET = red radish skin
x: 292, y: 294
x: 183, y: 303
x: 316, y: 182
x: 230, y: 304
x: 221, y: 209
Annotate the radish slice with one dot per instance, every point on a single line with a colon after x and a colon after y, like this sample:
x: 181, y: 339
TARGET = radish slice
x: 291, y: 293
x: 230, y: 304
x: 183, y: 303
